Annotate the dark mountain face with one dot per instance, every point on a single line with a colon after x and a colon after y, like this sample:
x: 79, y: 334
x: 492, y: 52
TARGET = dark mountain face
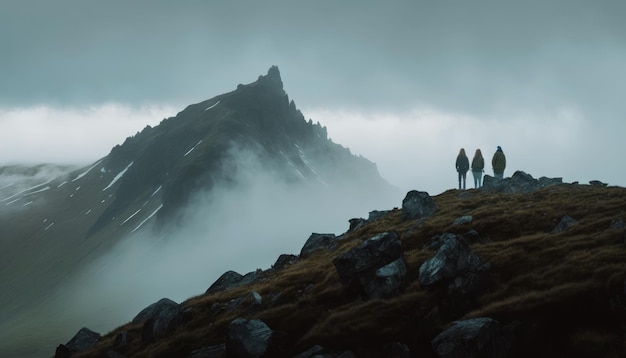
x: 190, y: 151
x: 58, y: 223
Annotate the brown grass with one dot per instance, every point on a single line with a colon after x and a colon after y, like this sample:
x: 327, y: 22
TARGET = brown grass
x: 559, y: 286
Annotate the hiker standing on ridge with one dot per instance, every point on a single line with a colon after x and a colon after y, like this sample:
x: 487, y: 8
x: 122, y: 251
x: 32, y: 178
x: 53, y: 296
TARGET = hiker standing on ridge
x: 478, y: 166
x: 498, y: 163
x: 462, y: 166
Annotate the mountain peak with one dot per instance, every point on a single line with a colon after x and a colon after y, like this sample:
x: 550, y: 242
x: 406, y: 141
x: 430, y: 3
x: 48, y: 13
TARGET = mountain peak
x: 272, y: 78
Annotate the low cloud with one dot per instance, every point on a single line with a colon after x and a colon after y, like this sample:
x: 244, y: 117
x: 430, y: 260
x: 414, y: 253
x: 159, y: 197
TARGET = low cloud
x: 45, y: 134
x: 242, y: 225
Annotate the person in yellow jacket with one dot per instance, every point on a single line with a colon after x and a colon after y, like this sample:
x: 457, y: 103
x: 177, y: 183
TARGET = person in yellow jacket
x: 498, y: 163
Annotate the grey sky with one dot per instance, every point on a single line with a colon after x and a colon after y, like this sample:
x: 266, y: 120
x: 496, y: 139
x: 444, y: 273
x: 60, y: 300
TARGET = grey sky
x: 485, y: 62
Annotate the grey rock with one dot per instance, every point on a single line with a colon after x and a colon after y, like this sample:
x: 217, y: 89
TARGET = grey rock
x: 284, y: 260
x: 519, y: 182
x: 618, y: 224
x: 248, y: 338
x: 228, y: 280
x: 159, y: 318
x: 62, y: 351
x: 84, y: 339
x: 462, y: 220
x: 376, y: 267
x: 317, y: 242
x: 453, y: 258
x: 311, y: 352
x: 597, y: 183
x: 377, y: 214
x: 356, y: 223
x: 417, y: 204
x: 121, y: 340
x: 476, y: 337
x: 565, y: 223
x: 464, y: 289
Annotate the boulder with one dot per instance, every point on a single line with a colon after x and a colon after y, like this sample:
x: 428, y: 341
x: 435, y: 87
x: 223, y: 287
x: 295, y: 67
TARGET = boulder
x: 356, y: 223
x: 376, y: 267
x: 466, y: 219
x: 618, y: 224
x: 417, y: 204
x: 519, y: 182
x: 377, y: 214
x: 474, y: 337
x: 565, y: 223
x: 597, y: 183
x: 284, y: 260
x: 463, y: 291
x: 248, y: 338
x: 453, y: 258
x: 228, y: 280
x: 317, y: 242
x: 159, y: 318
x: 84, y: 339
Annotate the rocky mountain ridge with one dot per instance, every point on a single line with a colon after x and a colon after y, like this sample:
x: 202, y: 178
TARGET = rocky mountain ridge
x: 503, y: 271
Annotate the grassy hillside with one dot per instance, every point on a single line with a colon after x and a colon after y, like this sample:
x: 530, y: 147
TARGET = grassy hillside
x: 566, y: 289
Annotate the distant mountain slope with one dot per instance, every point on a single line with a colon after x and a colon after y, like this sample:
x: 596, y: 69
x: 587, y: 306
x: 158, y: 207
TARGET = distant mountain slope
x: 52, y: 226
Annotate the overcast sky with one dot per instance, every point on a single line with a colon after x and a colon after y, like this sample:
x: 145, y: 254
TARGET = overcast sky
x: 403, y: 83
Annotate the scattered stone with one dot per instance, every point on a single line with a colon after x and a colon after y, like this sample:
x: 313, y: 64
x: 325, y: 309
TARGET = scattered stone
x: 519, y: 182
x: 565, y: 223
x: 284, y: 260
x: 62, y: 351
x: 597, y: 183
x: 376, y: 267
x: 377, y: 214
x: 159, y: 318
x: 84, y: 339
x: 476, y: 337
x: 462, y: 220
x: 417, y: 204
x: 314, y: 351
x: 463, y: 291
x: 229, y: 279
x: 618, y: 224
x: 248, y: 338
x: 356, y: 224
x: 318, y: 242
x: 256, y: 298
x: 453, y: 258
x: 121, y: 340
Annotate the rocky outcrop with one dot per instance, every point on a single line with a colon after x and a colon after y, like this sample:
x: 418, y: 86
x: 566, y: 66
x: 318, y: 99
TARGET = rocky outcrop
x: 417, y: 204
x: 458, y: 268
x: 519, y: 182
x: 82, y: 340
x: 376, y: 267
x: 284, y: 260
x: 232, y: 279
x: 317, y: 242
x: 453, y: 259
x: 565, y: 223
x: 159, y: 318
x: 476, y: 337
x: 248, y: 338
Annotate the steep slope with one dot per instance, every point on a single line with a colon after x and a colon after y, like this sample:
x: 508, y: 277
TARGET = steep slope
x: 64, y: 222
x: 550, y: 282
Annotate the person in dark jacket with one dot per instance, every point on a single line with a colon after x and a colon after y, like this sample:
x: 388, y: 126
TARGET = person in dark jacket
x: 462, y: 166
x: 498, y: 163
x: 478, y: 166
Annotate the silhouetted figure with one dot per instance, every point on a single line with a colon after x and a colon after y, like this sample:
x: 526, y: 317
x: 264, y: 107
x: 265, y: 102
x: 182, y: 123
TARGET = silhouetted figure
x: 462, y: 166
x: 478, y: 166
x: 498, y: 163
